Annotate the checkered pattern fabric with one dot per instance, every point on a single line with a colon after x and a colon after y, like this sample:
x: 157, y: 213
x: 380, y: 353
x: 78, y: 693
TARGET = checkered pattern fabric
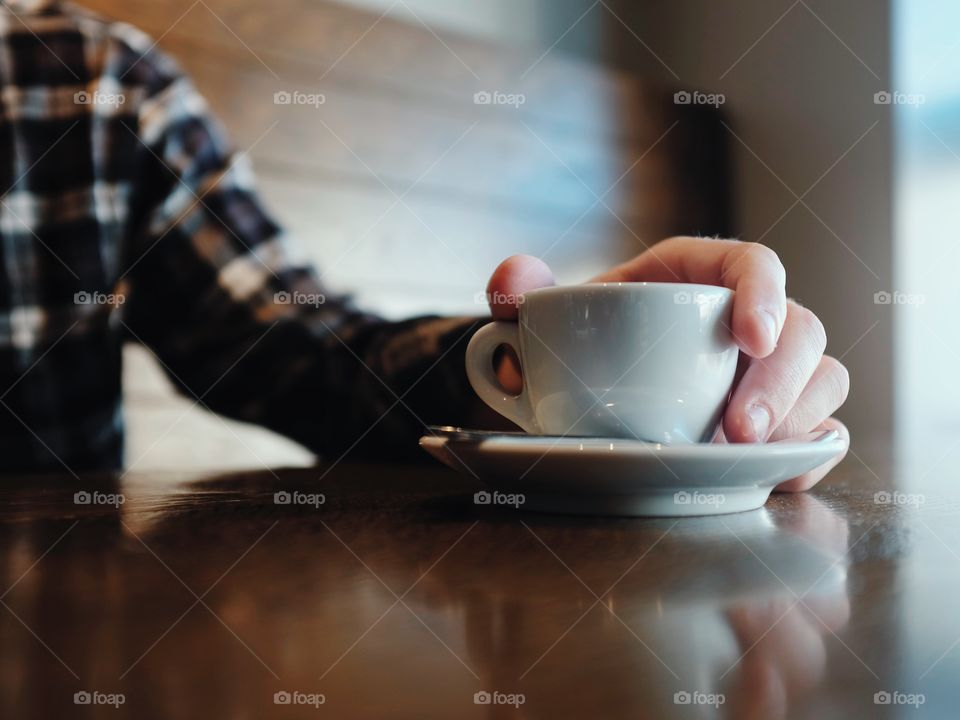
x: 124, y: 215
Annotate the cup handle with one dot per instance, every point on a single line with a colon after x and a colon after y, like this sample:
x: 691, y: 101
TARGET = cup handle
x: 480, y: 373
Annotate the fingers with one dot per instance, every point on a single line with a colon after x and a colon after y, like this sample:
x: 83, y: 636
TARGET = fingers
x: 825, y: 392
x: 771, y: 386
x: 809, y: 479
x: 752, y: 270
x: 513, y: 277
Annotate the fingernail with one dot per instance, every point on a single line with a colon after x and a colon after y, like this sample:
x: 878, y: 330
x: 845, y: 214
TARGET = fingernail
x: 760, y: 419
x: 769, y: 325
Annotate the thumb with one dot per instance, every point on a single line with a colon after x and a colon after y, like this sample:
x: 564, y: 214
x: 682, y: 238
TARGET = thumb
x: 513, y: 277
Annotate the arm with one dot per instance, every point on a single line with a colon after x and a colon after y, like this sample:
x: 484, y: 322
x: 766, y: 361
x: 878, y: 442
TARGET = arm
x: 214, y: 293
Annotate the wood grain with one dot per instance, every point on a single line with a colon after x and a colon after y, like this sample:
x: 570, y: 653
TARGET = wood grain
x: 588, y: 145
x: 586, y: 617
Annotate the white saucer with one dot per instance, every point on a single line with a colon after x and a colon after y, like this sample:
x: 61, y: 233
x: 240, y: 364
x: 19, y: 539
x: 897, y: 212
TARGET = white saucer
x: 599, y: 476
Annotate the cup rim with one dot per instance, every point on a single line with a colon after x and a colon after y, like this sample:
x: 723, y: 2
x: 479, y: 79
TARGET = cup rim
x: 593, y: 286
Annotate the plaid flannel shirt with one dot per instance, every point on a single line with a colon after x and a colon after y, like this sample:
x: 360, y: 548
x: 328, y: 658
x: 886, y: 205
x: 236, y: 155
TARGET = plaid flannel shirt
x: 125, y: 216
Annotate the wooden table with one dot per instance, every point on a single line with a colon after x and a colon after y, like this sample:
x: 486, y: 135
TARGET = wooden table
x: 396, y: 597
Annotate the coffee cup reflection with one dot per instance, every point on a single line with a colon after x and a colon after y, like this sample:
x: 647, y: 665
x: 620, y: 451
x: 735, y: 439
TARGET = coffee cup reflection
x: 726, y: 615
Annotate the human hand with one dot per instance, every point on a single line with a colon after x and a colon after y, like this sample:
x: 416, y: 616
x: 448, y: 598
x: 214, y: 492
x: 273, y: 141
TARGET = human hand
x: 785, y: 384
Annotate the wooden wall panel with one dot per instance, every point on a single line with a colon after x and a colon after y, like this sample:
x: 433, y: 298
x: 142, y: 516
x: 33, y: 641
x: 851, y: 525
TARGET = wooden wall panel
x: 365, y: 242
x: 478, y: 182
x: 399, y: 113
x: 323, y: 41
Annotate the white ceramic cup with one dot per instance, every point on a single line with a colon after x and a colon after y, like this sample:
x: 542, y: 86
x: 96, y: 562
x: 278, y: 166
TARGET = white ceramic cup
x: 653, y: 361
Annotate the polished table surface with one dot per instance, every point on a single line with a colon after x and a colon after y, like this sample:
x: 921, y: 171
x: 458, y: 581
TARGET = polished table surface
x: 397, y: 597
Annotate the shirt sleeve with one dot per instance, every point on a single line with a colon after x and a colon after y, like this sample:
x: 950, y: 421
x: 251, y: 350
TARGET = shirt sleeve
x: 239, y: 325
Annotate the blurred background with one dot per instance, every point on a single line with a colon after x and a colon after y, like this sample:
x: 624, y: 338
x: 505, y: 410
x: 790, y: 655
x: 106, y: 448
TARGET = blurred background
x: 410, y: 145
